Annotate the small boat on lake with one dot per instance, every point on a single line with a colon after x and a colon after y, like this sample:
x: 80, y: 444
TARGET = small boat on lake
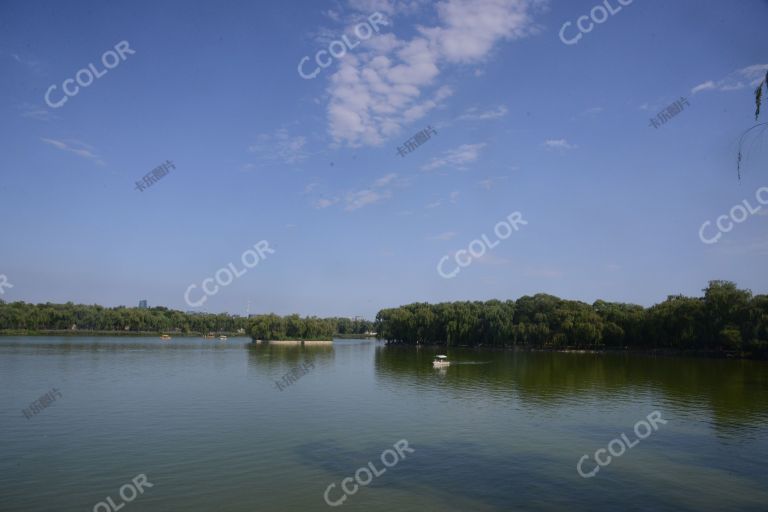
x: 165, y: 337
x: 440, y: 361
x: 223, y: 338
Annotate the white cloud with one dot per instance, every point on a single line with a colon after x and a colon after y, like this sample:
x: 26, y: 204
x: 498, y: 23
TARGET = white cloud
x: 81, y: 149
x: 279, y: 147
x: 749, y: 76
x: 386, y: 82
x: 472, y: 114
x: 709, y: 84
x: 458, y: 157
x: 559, y: 144
x: 324, y: 203
x: 380, y: 190
x: 362, y: 198
x: 390, y: 7
x: 384, y: 180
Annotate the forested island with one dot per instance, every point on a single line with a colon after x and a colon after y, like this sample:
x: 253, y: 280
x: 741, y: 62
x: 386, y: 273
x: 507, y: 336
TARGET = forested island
x: 725, y: 321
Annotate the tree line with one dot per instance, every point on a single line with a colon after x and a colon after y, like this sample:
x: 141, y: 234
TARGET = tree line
x: 25, y: 318
x: 725, y: 319
x: 293, y: 327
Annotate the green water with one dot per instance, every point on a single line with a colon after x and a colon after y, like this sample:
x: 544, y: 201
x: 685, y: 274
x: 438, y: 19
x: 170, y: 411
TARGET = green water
x: 205, y: 422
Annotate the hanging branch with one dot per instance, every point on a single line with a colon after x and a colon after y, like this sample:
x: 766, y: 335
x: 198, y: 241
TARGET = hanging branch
x: 758, y: 102
x: 741, y: 143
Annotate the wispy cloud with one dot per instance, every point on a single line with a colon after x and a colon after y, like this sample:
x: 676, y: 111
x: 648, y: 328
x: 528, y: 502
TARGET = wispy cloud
x: 78, y: 148
x: 324, y: 203
x: 360, y: 198
x: 489, y: 183
x: 33, y: 65
x: 380, y: 190
x: 458, y: 157
x: 473, y: 114
x: 443, y: 237
x: 385, y: 180
x: 388, y: 82
x: 280, y: 147
x: 36, y: 112
x: 559, y: 144
x: 749, y: 76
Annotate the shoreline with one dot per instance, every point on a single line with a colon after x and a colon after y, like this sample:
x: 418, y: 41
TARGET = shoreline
x: 135, y: 334
x: 294, y: 342
x: 634, y: 351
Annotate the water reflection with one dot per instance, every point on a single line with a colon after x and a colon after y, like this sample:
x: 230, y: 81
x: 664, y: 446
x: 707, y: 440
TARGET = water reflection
x: 272, y: 358
x: 734, y: 392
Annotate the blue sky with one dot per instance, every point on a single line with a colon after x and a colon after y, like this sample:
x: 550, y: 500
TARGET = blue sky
x: 524, y: 122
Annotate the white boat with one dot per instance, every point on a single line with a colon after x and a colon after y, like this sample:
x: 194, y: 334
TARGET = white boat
x: 223, y: 338
x: 440, y: 361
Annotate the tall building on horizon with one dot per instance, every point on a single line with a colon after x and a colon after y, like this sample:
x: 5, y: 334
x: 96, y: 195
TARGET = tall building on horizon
x: 143, y: 304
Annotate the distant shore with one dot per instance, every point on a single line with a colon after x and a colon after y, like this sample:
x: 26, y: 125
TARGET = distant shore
x: 294, y: 342
x: 136, y: 334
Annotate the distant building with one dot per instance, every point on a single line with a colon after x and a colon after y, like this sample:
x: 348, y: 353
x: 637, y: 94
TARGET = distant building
x: 142, y: 304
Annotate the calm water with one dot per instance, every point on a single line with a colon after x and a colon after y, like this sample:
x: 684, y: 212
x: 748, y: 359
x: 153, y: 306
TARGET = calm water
x: 498, y: 431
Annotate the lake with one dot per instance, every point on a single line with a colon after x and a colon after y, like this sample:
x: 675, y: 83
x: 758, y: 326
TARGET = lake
x: 208, y: 426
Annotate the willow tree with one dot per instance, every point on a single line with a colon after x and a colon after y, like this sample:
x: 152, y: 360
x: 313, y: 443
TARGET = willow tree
x: 758, y: 102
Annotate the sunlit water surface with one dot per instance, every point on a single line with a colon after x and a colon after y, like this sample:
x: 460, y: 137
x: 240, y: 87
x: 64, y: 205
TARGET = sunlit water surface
x: 497, y: 430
